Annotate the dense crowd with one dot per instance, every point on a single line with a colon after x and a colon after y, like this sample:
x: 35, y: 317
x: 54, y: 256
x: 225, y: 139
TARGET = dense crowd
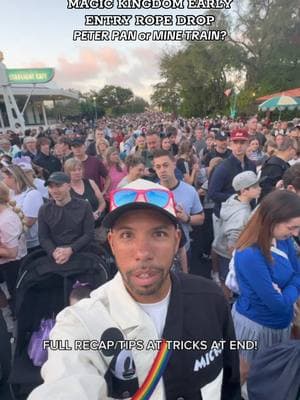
x: 236, y: 186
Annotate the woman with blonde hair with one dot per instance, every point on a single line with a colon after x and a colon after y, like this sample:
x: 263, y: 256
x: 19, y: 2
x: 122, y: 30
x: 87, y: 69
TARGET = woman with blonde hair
x: 27, y: 198
x: 12, y: 245
x: 116, y: 169
x: 85, y: 189
x: 102, y: 146
x: 29, y: 169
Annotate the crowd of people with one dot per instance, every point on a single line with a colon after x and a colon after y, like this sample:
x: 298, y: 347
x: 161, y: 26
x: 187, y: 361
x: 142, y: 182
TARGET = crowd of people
x: 235, y: 185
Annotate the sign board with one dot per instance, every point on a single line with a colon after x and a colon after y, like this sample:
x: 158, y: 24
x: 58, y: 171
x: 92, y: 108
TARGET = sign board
x: 30, y: 75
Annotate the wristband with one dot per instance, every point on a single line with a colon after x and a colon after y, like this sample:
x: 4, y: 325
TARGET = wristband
x: 188, y: 220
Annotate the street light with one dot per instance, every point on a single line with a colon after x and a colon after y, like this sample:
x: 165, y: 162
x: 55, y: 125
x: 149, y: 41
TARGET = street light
x: 95, y: 105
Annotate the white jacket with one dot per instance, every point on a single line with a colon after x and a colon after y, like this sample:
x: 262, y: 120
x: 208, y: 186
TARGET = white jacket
x: 79, y: 374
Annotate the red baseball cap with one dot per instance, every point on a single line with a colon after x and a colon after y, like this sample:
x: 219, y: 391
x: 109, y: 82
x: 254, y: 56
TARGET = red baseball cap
x: 239, y: 134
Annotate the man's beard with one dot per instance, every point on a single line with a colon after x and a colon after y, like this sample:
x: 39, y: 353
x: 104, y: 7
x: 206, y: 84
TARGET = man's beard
x: 147, y: 290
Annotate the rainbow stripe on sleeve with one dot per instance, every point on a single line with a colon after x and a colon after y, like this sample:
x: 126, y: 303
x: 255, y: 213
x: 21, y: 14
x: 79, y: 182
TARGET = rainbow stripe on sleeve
x: 155, y: 373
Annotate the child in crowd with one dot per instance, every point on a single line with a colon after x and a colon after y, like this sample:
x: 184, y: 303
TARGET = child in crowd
x: 234, y: 215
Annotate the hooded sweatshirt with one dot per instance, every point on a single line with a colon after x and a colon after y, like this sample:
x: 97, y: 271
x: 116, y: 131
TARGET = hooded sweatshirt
x: 234, y: 215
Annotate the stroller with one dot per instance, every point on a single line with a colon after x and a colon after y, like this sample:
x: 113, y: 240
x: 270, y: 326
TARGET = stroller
x: 43, y: 290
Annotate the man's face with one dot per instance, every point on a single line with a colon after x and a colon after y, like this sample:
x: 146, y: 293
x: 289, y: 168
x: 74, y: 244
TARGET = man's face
x: 294, y: 134
x: 166, y: 144
x: 59, y: 192
x: 199, y: 134
x: 31, y: 146
x: 78, y: 151
x: 172, y: 139
x: 164, y: 168
x: 59, y: 150
x: 144, y: 244
x: 279, y: 140
x: 45, y: 149
x: 209, y: 142
x: 137, y: 171
x: 252, y: 125
x: 153, y: 142
x: 239, y: 147
x: 6, y: 146
x: 99, y: 134
x: 221, y: 144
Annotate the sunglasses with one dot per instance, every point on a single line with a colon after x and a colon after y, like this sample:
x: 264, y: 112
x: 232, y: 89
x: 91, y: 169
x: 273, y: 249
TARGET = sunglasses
x: 158, y: 197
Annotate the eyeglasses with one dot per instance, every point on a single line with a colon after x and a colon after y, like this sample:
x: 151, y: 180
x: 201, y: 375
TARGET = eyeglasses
x: 157, y: 197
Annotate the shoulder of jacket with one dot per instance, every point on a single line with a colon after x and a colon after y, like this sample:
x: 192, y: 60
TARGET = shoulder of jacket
x: 192, y: 284
x: 248, y: 252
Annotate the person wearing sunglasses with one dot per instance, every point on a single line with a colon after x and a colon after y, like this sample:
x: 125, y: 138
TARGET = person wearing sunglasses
x: 152, y: 328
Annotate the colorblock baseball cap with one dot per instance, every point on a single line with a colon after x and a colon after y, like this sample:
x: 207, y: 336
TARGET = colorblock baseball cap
x: 58, y: 177
x: 222, y: 136
x: 244, y: 180
x: 137, y: 195
x: 239, y: 134
x: 77, y: 142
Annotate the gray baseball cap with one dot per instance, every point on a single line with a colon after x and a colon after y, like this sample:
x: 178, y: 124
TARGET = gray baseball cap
x: 244, y: 180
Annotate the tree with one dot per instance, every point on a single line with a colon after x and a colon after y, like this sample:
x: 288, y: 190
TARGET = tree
x: 137, y: 105
x: 64, y: 109
x: 114, y: 99
x: 267, y: 34
x: 196, y: 75
x: 263, y: 40
x: 166, y: 96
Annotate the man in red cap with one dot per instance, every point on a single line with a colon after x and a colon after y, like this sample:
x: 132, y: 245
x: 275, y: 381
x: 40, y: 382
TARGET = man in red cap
x: 220, y: 184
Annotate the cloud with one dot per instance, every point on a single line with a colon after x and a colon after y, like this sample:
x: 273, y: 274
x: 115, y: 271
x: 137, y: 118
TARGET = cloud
x: 135, y: 68
x: 89, y: 64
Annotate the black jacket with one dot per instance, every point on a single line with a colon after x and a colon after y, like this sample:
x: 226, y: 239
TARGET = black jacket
x: 214, y: 153
x: 71, y: 225
x: 198, y: 311
x: 220, y: 182
x: 48, y: 163
x: 271, y: 172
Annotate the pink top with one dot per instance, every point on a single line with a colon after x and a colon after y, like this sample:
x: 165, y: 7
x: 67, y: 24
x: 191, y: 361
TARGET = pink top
x: 116, y: 177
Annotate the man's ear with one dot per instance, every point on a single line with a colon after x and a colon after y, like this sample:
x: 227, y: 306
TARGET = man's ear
x: 110, y: 240
x: 178, y: 237
x: 291, y: 188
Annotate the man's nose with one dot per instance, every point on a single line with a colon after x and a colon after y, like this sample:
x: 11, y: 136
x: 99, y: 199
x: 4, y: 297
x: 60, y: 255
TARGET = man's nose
x: 144, y: 251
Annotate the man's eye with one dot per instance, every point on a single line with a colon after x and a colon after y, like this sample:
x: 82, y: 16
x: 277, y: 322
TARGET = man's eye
x: 126, y: 235
x: 160, y: 234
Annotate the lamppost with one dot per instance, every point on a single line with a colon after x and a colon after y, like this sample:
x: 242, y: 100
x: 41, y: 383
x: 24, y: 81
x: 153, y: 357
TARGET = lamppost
x: 95, y: 106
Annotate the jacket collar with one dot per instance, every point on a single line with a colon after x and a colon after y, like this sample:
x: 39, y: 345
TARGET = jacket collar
x: 124, y: 309
x: 247, y: 161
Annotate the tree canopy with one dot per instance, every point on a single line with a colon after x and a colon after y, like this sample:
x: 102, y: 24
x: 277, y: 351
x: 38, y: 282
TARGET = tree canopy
x: 263, y: 42
x: 110, y: 100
